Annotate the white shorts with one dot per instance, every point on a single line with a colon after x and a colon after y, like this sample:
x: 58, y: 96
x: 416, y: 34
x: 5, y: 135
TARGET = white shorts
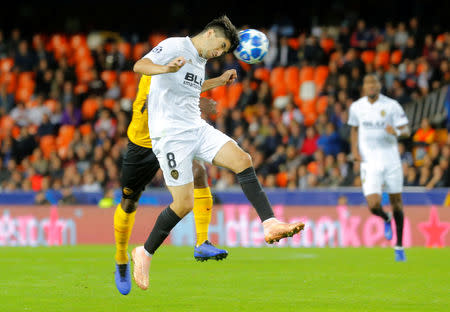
x: 175, y: 153
x: 376, y: 178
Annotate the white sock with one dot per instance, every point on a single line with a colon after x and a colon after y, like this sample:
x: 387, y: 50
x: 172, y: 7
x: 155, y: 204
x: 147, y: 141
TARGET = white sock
x: 273, y: 218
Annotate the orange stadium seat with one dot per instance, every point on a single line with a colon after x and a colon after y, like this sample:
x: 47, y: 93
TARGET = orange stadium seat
x: 127, y: 78
x: 109, y: 103
x: 89, y: 108
x: 292, y: 79
x: 155, y: 38
x: 294, y: 43
x: 368, y: 56
x: 6, y: 64
x: 282, y: 179
x: 108, y: 76
x: 77, y: 41
x: 234, y: 92
x: 262, y: 73
x: 80, y: 88
x: 245, y: 66
x: 124, y: 48
x: 308, y: 106
x: 65, y: 135
x: 9, y: 79
x: 52, y: 104
x: 7, y: 123
x: 276, y: 76
x: 82, y: 53
x: 220, y: 95
x: 322, y: 104
x: 279, y: 89
x: 85, y: 129
x: 310, y: 118
x: 306, y: 73
x: 24, y: 93
x: 420, y: 68
x: 321, y: 74
x: 382, y: 59
x: 327, y: 44
x: 47, y: 143
x: 396, y: 57
x: 25, y: 78
x: 129, y: 92
x: 139, y: 49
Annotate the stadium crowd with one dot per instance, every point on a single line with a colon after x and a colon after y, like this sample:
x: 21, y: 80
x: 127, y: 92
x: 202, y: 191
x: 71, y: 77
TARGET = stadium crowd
x: 65, y: 104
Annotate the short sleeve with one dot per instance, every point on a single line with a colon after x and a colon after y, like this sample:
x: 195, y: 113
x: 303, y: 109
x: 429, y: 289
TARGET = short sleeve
x: 164, y: 52
x: 399, y: 117
x: 353, y: 117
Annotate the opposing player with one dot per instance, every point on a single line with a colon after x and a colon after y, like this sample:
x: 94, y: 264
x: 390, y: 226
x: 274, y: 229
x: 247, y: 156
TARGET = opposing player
x: 377, y: 121
x: 138, y: 169
x: 179, y: 135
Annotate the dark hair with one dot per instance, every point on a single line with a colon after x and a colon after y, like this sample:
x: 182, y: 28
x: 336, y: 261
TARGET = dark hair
x: 225, y: 27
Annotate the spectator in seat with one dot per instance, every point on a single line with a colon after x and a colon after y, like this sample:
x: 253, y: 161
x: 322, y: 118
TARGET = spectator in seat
x: 71, y: 115
x: 25, y: 60
x: 330, y: 141
x: 286, y: 56
x: 362, y: 38
x: 46, y: 127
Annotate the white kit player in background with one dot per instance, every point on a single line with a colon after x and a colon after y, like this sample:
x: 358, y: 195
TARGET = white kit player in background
x: 377, y: 122
x: 179, y: 134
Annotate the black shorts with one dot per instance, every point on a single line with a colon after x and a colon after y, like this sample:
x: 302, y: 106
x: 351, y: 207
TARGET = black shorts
x: 139, y: 166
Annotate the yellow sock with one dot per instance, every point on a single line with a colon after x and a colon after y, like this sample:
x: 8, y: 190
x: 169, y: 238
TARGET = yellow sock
x: 202, y: 213
x: 123, y: 225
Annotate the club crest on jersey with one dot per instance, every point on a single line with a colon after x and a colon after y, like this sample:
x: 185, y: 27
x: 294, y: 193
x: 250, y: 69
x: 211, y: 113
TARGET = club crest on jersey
x: 174, y: 174
x: 383, y: 113
x: 127, y: 191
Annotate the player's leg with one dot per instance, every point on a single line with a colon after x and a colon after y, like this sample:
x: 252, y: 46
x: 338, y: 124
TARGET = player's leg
x: 183, y: 202
x: 203, y: 204
x: 394, y: 187
x: 138, y: 169
x: 397, y: 207
x: 372, y: 182
x: 221, y: 150
x: 175, y: 155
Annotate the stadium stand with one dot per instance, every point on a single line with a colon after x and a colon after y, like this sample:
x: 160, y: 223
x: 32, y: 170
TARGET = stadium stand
x: 78, y: 93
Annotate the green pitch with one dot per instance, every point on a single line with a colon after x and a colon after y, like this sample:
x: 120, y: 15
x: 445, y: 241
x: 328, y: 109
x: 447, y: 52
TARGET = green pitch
x: 80, y: 278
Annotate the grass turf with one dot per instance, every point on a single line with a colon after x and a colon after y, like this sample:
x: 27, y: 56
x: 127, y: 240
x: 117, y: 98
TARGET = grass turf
x: 80, y: 278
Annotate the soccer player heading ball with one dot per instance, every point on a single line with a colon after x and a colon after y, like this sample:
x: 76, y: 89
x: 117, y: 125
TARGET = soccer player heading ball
x: 179, y: 134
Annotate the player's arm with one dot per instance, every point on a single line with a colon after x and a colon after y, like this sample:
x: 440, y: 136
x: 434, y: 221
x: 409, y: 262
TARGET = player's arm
x: 227, y: 77
x: 354, y: 143
x: 207, y: 106
x: 146, y: 67
x: 399, y: 132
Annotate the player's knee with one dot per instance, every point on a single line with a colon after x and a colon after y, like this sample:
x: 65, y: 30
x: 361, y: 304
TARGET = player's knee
x: 182, y: 206
x: 200, y: 177
x: 128, y: 205
x: 244, y: 161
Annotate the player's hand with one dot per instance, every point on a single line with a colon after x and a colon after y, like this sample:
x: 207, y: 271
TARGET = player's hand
x: 229, y: 76
x: 175, y: 64
x: 207, y: 106
x: 389, y: 129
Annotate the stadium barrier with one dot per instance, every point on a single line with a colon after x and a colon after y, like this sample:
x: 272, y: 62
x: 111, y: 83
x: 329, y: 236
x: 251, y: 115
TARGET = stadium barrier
x: 231, y: 225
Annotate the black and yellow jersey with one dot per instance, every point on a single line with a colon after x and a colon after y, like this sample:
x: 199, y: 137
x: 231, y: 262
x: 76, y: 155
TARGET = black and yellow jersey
x: 138, y: 132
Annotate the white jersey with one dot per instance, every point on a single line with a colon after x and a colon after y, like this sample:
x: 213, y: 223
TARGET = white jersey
x: 173, y: 98
x: 375, y: 144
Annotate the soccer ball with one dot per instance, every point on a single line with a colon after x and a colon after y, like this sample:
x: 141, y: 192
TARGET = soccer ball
x: 253, y: 46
